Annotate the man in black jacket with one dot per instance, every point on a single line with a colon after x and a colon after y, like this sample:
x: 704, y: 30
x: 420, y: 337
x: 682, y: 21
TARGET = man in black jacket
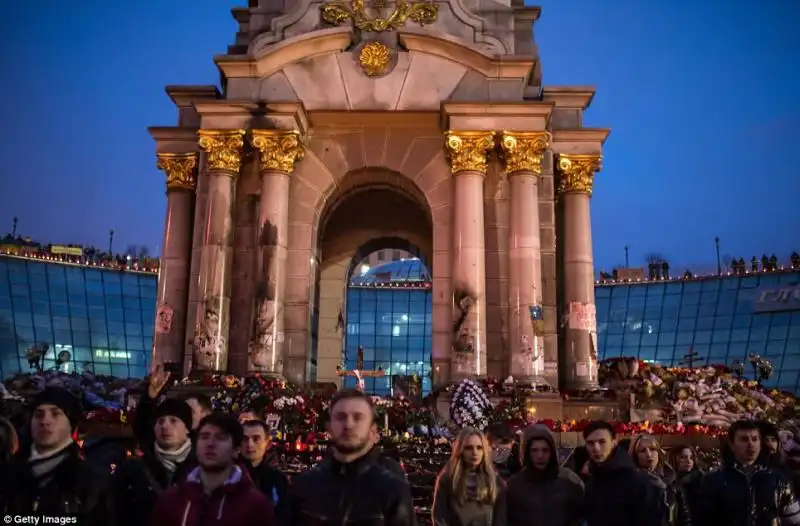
x: 617, y: 493
x: 349, y: 486
x: 269, y: 480
x: 167, y: 459
x: 746, y: 491
x: 49, y: 478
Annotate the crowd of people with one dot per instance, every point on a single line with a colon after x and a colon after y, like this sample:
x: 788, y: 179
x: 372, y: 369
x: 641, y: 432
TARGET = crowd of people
x: 202, y: 468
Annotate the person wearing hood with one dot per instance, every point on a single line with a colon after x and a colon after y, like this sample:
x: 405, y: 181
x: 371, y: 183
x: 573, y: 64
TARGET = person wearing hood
x: 775, y: 456
x: 49, y: 478
x: 217, y: 491
x: 543, y: 489
x: 138, y: 482
x: 746, y: 491
x: 617, y: 492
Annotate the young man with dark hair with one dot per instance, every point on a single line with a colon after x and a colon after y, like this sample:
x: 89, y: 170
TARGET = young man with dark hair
x: 270, y: 481
x: 349, y: 485
x: 201, y: 407
x: 617, y: 493
x: 48, y: 477
x: 505, y: 450
x: 218, y: 491
x: 746, y: 490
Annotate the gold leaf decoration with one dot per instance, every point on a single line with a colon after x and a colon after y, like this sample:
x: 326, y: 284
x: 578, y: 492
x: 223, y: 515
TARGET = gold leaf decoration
x: 421, y: 13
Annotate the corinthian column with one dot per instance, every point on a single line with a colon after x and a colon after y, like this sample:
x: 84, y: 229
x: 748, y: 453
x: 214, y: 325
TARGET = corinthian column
x: 522, y: 153
x: 223, y: 150
x: 279, y: 151
x: 579, y: 315
x: 467, y: 152
x: 173, y: 276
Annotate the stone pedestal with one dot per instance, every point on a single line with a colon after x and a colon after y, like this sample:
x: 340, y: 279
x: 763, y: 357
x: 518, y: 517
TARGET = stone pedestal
x: 223, y: 150
x: 580, y: 330
x: 467, y: 153
x: 522, y: 155
x: 279, y: 150
x: 173, y: 278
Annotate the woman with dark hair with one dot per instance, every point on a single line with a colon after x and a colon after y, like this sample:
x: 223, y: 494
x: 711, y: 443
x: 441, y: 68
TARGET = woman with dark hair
x: 688, y: 476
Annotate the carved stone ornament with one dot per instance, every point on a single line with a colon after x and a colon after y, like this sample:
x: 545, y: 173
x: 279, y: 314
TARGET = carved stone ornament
x: 279, y: 149
x: 375, y: 59
x: 179, y: 168
x: 468, y: 151
x: 577, y: 172
x: 523, y: 151
x: 223, y: 149
x: 337, y: 13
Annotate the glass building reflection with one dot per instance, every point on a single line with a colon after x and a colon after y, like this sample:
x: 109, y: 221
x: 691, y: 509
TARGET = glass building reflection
x: 389, y: 316
x: 103, y: 318
x: 722, y: 319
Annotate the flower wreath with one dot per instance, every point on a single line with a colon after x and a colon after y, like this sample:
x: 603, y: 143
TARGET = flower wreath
x: 470, y: 407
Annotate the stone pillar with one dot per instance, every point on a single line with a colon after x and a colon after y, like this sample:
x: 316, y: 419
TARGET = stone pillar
x: 223, y: 149
x: 576, y: 178
x: 279, y: 151
x: 522, y: 154
x: 173, y: 277
x: 467, y: 153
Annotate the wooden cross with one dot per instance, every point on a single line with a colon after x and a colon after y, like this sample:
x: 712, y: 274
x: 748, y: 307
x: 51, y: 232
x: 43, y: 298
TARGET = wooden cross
x: 359, y: 373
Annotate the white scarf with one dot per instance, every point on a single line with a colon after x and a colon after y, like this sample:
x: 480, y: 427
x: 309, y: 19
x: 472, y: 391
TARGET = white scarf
x: 171, y: 459
x: 44, y: 464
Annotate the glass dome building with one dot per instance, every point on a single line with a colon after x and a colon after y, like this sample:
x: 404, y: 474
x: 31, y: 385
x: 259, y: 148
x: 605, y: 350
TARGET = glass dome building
x: 388, y: 315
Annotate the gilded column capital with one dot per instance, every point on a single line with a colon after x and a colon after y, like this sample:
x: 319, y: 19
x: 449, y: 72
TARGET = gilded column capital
x: 577, y: 172
x: 179, y: 168
x: 279, y: 149
x: 468, y: 150
x: 223, y: 149
x: 523, y: 151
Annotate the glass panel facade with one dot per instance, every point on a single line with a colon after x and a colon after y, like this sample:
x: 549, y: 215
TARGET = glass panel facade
x: 103, y: 318
x: 722, y: 319
x: 389, y: 315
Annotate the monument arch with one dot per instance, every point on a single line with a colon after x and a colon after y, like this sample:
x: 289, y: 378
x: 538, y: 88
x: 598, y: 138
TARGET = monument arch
x: 445, y: 112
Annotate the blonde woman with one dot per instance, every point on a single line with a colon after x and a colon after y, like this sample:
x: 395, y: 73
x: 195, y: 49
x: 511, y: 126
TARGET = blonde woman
x: 649, y: 458
x: 468, y: 491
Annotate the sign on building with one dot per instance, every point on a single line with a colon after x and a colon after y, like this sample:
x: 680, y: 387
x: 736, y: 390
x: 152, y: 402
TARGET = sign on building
x: 780, y: 298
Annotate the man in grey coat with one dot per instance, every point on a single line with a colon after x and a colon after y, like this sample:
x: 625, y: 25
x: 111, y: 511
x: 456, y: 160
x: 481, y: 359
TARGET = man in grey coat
x: 543, y: 492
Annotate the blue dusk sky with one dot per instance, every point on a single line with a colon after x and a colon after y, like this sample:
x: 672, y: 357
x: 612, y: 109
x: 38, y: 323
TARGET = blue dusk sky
x: 701, y: 97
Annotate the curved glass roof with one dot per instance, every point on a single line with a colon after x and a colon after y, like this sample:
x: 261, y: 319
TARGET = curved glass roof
x: 410, y: 272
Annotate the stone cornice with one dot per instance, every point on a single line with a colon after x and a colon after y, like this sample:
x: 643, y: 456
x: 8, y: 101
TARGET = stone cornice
x: 170, y: 139
x: 281, y: 54
x: 183, y: 96
x: 451, y: 48
x: 577, y: 97
x: 280, y: 115
x: 518, y: 116
x: 590, y: 135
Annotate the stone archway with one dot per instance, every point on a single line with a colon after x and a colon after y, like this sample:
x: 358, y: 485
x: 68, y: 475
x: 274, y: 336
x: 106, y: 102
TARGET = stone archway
x: 371, y: 207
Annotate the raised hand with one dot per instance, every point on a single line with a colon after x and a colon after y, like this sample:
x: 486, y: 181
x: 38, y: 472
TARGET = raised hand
x: 158, y: 379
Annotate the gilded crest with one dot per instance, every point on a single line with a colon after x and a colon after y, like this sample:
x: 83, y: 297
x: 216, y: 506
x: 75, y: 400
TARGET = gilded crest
x: 421, y: 13
x: 374, y: 59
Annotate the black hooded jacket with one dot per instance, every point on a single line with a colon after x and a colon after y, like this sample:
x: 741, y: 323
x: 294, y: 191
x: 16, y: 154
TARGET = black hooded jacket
x: 618, y: 494
x: 553, y: 495
x: 759, y: 496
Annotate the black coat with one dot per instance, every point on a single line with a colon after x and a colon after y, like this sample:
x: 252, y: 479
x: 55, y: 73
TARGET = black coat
x: 687, y: 498
x: 360, y: 492
x: 733, y: 496
x: 618, y: 494
x: 73, y: 491
x: 137, y: 485
x: 271, y: 482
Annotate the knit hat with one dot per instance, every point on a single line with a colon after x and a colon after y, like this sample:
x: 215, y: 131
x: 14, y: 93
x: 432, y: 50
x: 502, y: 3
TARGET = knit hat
x: 768, y: 429
x: 177, y: 408
x: 62, y: 399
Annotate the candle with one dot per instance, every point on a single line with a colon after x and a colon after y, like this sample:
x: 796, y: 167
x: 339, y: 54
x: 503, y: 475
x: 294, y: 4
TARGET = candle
x: 386, y: 421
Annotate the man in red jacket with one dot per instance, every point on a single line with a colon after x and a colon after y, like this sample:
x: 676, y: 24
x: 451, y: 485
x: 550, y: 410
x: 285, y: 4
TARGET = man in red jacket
x: 217, y: 492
